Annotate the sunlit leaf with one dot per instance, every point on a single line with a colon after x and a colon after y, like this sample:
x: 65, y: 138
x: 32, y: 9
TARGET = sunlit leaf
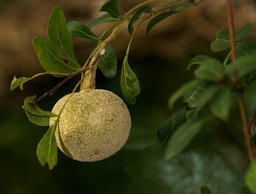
x: 108, y: 62
x: 169, y: 127
x: 183, y: 90
x: 102, y: 19
x: 18, y: 82
x: 129, y: 83
x: 78, y: 29
x: 47, y: 151
x: 220, y: 104
x: 166, y: 14
x: 183, y: 136
x: 136, y: 15
x: 111, y: 7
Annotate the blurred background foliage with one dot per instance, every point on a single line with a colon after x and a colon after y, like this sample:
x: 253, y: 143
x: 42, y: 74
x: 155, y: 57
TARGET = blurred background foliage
x: 216, y: 158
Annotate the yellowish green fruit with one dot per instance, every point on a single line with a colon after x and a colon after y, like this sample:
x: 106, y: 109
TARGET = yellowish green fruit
x: 93, y: 125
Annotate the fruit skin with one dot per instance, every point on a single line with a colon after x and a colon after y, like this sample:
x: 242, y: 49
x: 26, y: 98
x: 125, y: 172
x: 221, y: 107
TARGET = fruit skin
x: 93, y: 125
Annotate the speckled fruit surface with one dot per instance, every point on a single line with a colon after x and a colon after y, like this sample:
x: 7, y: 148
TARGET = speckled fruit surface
x: 93, y: 125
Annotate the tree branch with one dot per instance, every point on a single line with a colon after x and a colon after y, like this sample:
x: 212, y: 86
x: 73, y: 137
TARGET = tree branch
x: 246, y: 129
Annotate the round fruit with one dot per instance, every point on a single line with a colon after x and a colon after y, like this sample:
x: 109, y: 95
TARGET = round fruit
x: 93, y: 125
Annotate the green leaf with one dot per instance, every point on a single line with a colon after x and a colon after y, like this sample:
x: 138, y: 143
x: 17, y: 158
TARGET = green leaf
x: 245, y: 47
x: 183, y: 136
x: 250, y: 98
x: 108, y: 62
x: 250, y: 178
x: 205, y: 190
x: 37, y: 120
x: 201, y: 97
x: 221, y: 42
x: 35, y: 114
x: 111, y: 7
x: 220, y: 104
x: 202, y: 60
x: 183, y: 90
x: 244, y: 31
x: 242, y: 66
x: 50, y: 58
x: 211, y: 70
x: 192, y: 97
x: 102, y: 19
x: 169, y: 127
x: 129, y: 83
x: 31, y: 106
x: 18, y: 82
x: 47, y: 151
x: 166, y: 14
x: 60, y: 37
x: 78, y: 29
x: 135, y: 17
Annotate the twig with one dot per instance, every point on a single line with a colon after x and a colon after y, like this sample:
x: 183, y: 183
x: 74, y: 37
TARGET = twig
x: 54, y: 89
x: 246, y: 129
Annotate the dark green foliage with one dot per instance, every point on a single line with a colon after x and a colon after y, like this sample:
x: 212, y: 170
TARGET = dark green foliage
x: 205, y: 190
x: 108, y: 62
x: 183, y: 136
x: 112, y: 7
x: 47, y: 151
x: 166, y: 14
x: 169, y: 127
x: 129, y: 83
x: 78, y: 29
x: 136, y: 15
x: 101, y: 20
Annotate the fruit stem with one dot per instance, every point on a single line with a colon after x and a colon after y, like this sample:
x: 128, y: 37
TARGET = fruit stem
x: 89, y: 81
